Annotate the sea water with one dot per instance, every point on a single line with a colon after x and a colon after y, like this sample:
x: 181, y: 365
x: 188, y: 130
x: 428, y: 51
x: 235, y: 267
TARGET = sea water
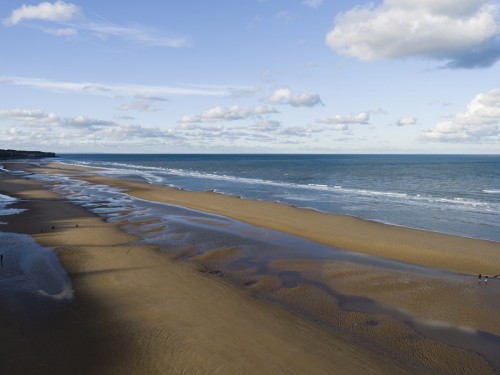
x: 454, y: 194
x: 5, y: 202
x: 29, y: 273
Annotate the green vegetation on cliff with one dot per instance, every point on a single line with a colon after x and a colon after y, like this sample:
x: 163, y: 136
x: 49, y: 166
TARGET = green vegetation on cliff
x: 16, y: 154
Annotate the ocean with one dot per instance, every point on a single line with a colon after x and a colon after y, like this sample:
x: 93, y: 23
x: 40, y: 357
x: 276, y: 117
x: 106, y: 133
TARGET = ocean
x: 454, y: 194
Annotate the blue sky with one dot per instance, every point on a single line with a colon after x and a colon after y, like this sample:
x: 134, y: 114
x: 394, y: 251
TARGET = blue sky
x: 292, y: 76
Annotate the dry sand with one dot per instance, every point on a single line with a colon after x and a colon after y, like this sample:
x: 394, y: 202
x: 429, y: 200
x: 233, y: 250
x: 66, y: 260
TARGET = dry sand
x: 154, y: 315
x: 138, y: 311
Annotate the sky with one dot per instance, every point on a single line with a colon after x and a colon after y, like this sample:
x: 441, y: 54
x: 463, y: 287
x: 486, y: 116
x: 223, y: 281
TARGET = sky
x: 250, y: 76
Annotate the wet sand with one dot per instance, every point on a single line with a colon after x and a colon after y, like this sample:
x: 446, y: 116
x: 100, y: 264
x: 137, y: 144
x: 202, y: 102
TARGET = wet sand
x: 138, y: 311
x: 345, y: 302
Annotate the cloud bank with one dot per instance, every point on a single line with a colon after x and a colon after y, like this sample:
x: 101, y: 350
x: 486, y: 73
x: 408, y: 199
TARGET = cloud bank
x: 465, y: 33
x: 35, y: 126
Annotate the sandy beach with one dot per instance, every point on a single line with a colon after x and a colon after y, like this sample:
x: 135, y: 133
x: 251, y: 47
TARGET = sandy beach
x: 426, y: 248
x: 139, y: 310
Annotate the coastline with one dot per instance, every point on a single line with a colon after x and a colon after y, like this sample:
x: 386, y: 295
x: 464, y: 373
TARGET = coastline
x: 304, y: 292
x: 415, y: 246
x: 434, y: 198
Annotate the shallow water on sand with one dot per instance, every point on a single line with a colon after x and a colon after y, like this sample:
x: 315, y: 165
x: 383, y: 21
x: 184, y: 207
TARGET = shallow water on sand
x: 30, y: 274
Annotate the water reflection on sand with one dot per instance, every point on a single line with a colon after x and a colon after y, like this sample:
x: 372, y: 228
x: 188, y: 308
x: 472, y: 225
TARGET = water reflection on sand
x: 396, y: 306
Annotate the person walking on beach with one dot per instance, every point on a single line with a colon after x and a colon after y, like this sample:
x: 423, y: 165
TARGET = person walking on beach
x: 486, y: 279
x: 479, y: 279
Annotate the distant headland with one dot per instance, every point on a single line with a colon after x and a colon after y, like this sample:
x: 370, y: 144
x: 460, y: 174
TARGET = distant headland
x: 17, y: 154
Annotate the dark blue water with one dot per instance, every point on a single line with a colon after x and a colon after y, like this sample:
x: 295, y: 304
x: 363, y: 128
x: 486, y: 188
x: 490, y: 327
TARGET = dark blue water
x: 456, y: 194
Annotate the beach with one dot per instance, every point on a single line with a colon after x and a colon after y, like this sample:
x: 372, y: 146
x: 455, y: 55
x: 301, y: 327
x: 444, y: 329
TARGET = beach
x: 408, y: 302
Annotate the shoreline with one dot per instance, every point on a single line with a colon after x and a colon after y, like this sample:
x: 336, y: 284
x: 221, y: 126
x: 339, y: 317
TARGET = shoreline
x: 215, y: 191
x: 330, y: 292
x: 460, y: 207
x: 414, y: 246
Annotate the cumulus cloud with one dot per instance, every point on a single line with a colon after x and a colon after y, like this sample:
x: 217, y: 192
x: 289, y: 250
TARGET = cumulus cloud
x: 233, y: 113
x: 405, y: 121
x: 341, y: 122
x: 479, y: 123
x: 285, y: 96
x: 482, y: 56
x: 28, y: 116
x: 56, y: 12
x: 464, y: 33
x: 74, y: 20
x: 312, y: 3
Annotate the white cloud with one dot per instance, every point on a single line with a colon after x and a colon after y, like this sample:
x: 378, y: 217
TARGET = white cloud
x: 480, y: 123
x: 341, y: 122
x: 72, y: 18
x: 36, y: 117
x: 405, y: 121
x: 233, y: 113
x: 32, y: 127
x: 56, y: 12
x: 116, y: 90
x: 285, y: 96
x: 300, y: 131
x: 312, y: 3
x: 132, y: 131
x: 441, y: 103
x: 266, y: 125
x: 152, y: 98
x: 136, y: 33
x: 124, y: 117
x: 142, y: 106
x: 84, y: 122
x: 461, y: 32
x: 28, y: 116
